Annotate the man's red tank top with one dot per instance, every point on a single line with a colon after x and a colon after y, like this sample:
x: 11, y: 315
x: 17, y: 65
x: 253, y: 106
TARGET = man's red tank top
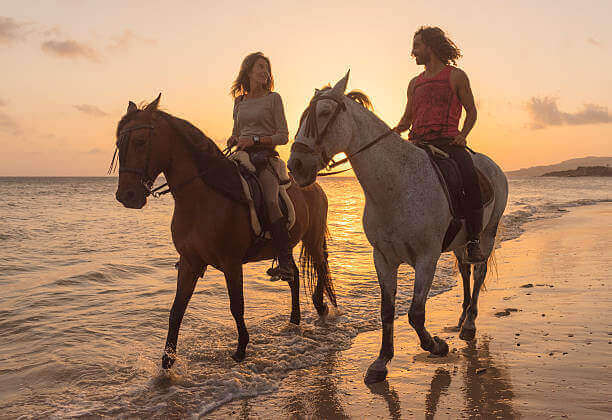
x: 435, y: 107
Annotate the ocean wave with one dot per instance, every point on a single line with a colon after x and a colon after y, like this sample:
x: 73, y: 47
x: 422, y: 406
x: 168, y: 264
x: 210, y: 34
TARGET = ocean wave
x: 512, y: 224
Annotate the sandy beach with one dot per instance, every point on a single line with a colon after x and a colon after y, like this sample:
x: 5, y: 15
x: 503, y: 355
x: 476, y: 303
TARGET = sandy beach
x: 542, y: 349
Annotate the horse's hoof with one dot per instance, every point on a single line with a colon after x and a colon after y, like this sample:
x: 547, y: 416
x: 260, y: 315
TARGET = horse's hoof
x: 440, y: 348
x: 168, y: 360
x: 323, y: 310
x: 373, y: 376
x: 295, y: 319
x: 239, y: 356
x: 467, y: 334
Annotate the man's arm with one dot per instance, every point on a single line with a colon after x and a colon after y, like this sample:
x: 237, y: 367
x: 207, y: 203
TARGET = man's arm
x: 466, y: 98
x: 406, y: 120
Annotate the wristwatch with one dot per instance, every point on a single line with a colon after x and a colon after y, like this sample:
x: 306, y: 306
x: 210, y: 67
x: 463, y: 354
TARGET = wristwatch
x: 256, y: 140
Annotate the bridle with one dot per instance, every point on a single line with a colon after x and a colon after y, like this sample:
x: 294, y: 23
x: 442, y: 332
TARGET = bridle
x: 122, y: 146
x: 146, y: 180
x: 312, y: 130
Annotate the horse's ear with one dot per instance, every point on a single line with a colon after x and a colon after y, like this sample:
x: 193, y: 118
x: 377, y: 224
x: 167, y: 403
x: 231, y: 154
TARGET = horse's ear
x: 131, y: 107
x: 340, y: 87
x: 153, y: 105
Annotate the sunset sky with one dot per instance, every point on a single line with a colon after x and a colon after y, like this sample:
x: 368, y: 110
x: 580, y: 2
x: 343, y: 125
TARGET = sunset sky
x: 541, y: 71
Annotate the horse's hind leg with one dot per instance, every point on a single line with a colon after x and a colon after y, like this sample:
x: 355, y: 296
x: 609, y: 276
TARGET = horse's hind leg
x: 466, y: 272
x: 186, y: 282
x: 468, y: 328
x: 314, y: 259
x: 424, y: 273
x: 295, y: 297
x: 233, y: 280
x: 387, y: 279
x: 324, y: 280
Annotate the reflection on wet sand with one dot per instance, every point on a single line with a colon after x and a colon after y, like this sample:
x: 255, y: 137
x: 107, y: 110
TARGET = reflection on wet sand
x: 320, y: 398
x: 390, y: 396
x: 439, y: 385
x: 469, y: 383
x: 487, y: 388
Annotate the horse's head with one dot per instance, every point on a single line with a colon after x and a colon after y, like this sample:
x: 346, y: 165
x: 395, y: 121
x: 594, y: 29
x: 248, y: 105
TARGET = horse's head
x: 325, y: 130
x: 143, y: 154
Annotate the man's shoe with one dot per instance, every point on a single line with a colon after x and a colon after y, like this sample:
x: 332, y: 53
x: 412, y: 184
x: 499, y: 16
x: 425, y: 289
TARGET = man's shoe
x: 474, y: 253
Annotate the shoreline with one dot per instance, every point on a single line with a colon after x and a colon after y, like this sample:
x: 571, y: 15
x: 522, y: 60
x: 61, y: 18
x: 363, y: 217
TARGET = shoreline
x: 540, y: 350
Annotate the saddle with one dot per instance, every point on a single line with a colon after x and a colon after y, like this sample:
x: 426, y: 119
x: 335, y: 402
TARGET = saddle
x: 450, y: 177
x: 254, y: 195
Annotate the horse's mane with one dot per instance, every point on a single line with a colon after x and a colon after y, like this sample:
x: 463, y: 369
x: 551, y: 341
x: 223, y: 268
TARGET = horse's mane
x: 356, y: 95
x: 221, y: 173
x: 199, y: 141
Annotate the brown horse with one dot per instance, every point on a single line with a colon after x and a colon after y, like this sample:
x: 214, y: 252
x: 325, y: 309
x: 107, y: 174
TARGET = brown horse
x: 210, y: 225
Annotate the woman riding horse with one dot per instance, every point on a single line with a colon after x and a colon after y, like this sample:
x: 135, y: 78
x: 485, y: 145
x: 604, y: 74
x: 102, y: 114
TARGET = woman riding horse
x: 259, y: 126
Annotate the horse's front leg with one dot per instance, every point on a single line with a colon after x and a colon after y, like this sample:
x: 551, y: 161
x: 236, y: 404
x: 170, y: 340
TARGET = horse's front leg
x: 424, y: 273
x: 233, y: 280
x: 387, y: 279
x: 186, y: 282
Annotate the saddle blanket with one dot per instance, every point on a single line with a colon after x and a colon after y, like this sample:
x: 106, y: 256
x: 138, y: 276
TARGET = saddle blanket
x: 254, y: 198
x: 452, y: 183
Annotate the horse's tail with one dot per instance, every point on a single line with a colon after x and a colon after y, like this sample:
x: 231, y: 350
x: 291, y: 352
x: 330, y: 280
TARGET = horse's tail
x: 315, y: 268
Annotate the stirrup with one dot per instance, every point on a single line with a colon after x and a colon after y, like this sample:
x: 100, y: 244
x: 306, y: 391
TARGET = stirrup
x: 276, y: 273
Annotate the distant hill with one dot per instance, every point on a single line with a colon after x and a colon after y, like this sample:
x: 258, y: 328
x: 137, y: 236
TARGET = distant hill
x: 566, y: 165
x: 583, y: 171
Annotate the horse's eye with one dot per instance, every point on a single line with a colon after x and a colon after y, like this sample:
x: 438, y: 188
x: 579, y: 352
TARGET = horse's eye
x: 140, y: 142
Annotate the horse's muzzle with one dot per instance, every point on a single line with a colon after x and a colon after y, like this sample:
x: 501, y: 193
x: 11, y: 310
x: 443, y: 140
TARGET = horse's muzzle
x: 131, y: 198
x: 302, y: 171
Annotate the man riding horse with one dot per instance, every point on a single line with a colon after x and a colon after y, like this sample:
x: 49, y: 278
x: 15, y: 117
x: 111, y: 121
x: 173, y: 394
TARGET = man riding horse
x: 433, y: 110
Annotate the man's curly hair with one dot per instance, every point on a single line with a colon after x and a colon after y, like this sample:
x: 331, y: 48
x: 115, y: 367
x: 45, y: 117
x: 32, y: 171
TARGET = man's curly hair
x: 440, y: 44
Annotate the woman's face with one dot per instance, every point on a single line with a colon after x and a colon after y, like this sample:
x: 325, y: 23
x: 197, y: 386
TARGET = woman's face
x: 260, y: 73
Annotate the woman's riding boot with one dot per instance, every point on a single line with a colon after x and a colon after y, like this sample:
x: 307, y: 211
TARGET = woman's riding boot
x: 474, y: 225
x: 280, y: 239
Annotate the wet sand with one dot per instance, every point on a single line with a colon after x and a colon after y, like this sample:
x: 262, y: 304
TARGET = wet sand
x: 542, y: 350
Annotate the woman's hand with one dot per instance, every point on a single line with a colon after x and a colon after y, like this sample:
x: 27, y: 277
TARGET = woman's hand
x: 244, y: 142
x: 232, y: 141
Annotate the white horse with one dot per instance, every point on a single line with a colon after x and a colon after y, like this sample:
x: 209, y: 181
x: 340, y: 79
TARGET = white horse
x: 406, y: 212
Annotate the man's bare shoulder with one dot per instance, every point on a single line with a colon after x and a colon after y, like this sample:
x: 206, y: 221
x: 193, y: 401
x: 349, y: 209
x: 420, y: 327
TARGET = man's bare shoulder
x: 411, y: 84
x: 458, y: 75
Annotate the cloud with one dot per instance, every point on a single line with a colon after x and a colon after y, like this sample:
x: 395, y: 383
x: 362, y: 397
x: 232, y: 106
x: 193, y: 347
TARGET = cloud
x: 8, y: 124
x: 124, y: 41
x: 595, y: 42
x: 91, y: 110
x: 70, y: 49
x: 545, y: 112
x: 94, y: 151
x: 3, y: 102
x: 12, y: 31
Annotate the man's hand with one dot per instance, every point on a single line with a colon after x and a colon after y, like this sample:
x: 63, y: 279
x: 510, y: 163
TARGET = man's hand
x: 398, y: 129
x: 244, y: 142
x: 231, y: 142
x: 459, y: 140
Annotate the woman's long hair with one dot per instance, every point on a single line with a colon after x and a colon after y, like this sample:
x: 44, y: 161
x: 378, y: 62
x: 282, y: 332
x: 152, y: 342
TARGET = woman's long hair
x: 242, y: 83
x: 440, y: 44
